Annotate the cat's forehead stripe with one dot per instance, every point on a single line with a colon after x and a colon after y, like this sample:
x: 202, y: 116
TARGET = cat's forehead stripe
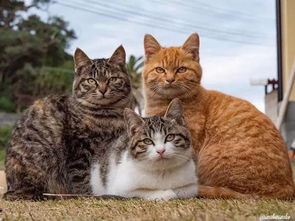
x: 170, y: 58
x: 100, y: 69
x: 156, y: 124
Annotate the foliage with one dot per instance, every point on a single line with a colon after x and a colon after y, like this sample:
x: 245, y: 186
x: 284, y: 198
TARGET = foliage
x: 5, y: 132
x: 4, y: 135
x: 10, y: 10
x: 33, y: 61
x: 32, y: 53
x: 43, y: 80
x: 2, y: 158
x: 6, y: 104
x: 134, y: 66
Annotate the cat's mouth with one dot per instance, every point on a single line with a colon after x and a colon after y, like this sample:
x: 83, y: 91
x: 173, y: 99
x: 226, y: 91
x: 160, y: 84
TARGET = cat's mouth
x: 170, y: 90
x: 162, y: 158
x: 169, y: 85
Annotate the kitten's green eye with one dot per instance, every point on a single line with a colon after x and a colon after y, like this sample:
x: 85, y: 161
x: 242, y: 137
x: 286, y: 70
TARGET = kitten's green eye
x: 91, y: 81
x: 160, y: 70
x: 113, y: 79
x: 148, y: 141
x: 169, y: 137
x: 181, y: 70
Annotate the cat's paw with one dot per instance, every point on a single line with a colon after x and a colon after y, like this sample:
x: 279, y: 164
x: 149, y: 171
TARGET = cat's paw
x: 162, y: 195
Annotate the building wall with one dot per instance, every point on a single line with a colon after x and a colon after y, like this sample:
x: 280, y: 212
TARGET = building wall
x: 288, y: 126
x: 271, y: 105
x: 288, y: 41
x: 288, y: 59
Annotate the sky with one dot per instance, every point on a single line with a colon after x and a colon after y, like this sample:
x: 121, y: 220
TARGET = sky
x: 238, y: 37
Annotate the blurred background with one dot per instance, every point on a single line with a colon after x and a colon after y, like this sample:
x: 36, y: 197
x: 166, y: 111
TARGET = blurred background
x: 247, y: 47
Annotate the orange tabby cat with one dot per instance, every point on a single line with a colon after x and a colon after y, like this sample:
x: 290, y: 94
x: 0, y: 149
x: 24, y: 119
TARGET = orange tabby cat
x: 240, y: 152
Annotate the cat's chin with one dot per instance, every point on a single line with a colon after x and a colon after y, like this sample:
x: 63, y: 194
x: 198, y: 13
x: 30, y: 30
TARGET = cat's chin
x: 170, y: 92
x: 160, y: 164
x: 99, y: 103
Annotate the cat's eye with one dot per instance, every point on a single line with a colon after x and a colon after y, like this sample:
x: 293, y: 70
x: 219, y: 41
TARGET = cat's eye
x: 181, y: 69
x: 113, y: 79
x: 169, y: 137
x: 148, y: 141
x: 160, y: 70
x: 91, y: 81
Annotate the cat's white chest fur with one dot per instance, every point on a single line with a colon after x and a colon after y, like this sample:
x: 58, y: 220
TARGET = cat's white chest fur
x: 130, y: 180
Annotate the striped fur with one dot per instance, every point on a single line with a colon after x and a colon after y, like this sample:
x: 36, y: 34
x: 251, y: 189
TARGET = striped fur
x: 55, y: 143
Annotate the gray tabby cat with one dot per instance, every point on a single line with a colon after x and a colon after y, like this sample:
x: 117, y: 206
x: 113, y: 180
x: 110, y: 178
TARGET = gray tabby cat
x: 55, y: 143
x: 157, y: 165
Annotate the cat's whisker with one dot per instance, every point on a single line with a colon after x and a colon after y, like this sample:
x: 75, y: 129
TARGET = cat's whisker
x: 181, y: 156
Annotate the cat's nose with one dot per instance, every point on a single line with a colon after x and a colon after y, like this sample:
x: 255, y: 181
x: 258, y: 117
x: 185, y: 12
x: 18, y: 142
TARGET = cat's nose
x: 170, y: 80
x: 103, y: 90
x: 161, y: 151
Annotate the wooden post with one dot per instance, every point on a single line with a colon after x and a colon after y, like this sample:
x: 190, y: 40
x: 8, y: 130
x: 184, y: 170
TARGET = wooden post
x: 284, y: 104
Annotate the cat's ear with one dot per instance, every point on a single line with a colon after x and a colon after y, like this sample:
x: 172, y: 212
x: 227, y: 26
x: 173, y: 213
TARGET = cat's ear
x: 151, y: 46
x: 132, y: 120
x: 191, y: 45
x: 81, y: 59
x: 174, y: 111
x: 119, y: 56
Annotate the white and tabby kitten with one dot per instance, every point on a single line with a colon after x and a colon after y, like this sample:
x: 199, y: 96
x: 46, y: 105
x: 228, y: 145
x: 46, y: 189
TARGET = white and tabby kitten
x: 157, y: 165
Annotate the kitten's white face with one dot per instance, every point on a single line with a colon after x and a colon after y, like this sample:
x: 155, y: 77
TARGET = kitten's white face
x: 161, y: 151
x: 157, y: 142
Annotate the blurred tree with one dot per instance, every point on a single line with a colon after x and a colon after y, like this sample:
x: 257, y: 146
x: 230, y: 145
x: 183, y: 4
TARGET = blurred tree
x: 32, y: 51
x: 10, y: 10
x: 134, y: 66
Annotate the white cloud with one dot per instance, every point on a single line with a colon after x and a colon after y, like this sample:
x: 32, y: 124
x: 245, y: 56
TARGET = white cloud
x: 232, y: 74
x: 244, y: 64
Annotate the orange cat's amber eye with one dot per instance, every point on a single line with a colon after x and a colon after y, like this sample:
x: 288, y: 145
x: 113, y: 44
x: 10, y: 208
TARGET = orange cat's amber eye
x: 160, y: 70
x: 91, y: 81
x: 181, y: 70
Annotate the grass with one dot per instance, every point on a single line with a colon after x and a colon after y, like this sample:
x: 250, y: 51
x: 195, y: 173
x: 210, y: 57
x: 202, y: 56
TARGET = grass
x: 192, y: 209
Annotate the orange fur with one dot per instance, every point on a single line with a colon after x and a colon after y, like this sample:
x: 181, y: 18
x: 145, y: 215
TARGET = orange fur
x: 240, y: 152
x: 222, y: 192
